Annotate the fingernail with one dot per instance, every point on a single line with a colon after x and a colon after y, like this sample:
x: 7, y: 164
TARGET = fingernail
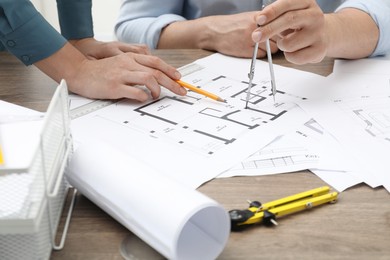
x: 183, y: 91
x: 177, y: 75
x: 261, y: 20
x: 256, y: 36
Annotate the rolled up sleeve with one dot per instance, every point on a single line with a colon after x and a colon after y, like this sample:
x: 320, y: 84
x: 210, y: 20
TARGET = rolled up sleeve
x: 141, y: 21
x: 25, y: 33
x: 379, y: 10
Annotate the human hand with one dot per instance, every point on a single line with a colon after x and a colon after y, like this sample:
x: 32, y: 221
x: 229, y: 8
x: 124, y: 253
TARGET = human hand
x: 94, y: 49
x: 120, y: 76
x: 123, y: 75
x: 300, y: 26
x: 231, y: 35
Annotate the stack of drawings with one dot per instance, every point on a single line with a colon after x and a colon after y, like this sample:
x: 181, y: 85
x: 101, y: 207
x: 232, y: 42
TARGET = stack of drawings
x: 326, y: 124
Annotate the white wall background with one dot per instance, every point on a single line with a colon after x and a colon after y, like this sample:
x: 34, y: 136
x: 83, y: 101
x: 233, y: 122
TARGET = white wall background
x: 104, y: 13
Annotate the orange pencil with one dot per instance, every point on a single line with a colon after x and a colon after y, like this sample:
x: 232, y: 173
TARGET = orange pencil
x: 200, y: 91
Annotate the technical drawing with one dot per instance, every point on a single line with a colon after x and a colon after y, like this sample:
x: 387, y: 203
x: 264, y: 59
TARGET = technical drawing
x: 373, y: 113
x: 199, y: 123
x: 277, y: 162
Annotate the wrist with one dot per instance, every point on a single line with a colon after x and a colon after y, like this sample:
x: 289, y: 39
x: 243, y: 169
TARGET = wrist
x: 64, y: 64
x: 208, y: 33
x: 84, y: 45
x: 190, y: 34
x: 332, y: 34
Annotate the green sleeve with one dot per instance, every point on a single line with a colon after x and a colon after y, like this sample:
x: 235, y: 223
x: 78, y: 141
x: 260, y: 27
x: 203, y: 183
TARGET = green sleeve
x: 25, y: 33
x: 75, y: 18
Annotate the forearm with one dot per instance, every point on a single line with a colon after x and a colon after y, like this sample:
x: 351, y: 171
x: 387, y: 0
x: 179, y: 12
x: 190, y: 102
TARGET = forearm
x: 63, y: 64
x: 191, y: 34
x: 112, y: 77
x: 351, y: 34
x: 227, y: 34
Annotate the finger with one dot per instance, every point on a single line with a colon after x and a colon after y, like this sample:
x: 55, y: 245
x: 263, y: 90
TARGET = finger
x: 133, y: 92
x: 113, y: 52
x: 286, y: 23
x: 273, y: 44
x: 147, y: 63
x: 135, y: 48
x: 169, y: 84
x: 142, y: 78
x: 278, y: 8
x: 158, y: 64
x: 303, y: 56
x: 262, y: 50
x: 294, y: 41
x: 286, y: 32
x: 163, y: 73
x: 91, y: 57
x: 261, y: 53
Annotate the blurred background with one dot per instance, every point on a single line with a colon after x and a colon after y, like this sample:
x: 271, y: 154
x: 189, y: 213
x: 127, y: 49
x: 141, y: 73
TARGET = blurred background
x: 104, y: 12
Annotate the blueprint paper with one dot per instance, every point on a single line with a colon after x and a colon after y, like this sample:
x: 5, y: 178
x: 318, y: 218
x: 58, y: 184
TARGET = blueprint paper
x: 193, y: 139
x: 178, y: 222
x: 335, y: 157
x: 291, y: 152
x: 185, y: 152
x: 361, y: 101
x: 360, y: 126
x: 308, y: 147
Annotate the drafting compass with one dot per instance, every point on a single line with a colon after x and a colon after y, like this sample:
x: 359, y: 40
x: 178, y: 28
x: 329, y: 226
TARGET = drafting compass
x: 252, y: 70
x: 267, y: 213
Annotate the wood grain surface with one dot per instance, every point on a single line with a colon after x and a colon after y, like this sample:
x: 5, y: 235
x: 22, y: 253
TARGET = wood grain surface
x: 356, y: 227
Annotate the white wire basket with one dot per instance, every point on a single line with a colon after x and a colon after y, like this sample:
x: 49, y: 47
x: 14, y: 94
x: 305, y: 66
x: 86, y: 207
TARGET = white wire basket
x: 33, y: 197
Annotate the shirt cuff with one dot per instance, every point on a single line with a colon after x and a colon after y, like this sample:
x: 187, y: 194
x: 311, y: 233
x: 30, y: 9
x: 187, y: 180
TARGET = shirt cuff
x: 145, y: 30
x: 33, y: 41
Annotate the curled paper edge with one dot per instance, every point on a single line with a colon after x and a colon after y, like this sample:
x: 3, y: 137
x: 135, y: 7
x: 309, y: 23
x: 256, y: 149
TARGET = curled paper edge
x: 178, y: 222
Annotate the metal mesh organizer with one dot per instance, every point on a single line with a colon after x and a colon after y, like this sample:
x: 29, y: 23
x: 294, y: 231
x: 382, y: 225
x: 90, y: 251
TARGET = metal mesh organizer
x: 34, y: 198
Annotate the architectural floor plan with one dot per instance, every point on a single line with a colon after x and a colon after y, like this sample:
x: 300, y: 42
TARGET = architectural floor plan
x: 195, y: 134
x: 196, y: 122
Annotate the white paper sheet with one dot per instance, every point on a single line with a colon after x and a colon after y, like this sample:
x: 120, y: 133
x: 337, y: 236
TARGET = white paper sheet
x: 339, y: 180
x: 178, y: 222
x: 372, y: 66
x: 195, y: 134
x: 355, y: 109
x: 19, y: 142
x: 225, y: 76
x: 76, y: 101
x: 370, y: 150
x: 295, y: 151
x: 351, y: 78
x: 19, y: 138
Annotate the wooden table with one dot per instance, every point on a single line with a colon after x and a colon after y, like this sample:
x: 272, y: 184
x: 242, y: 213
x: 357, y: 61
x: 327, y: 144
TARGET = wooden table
x: 356, y: 227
